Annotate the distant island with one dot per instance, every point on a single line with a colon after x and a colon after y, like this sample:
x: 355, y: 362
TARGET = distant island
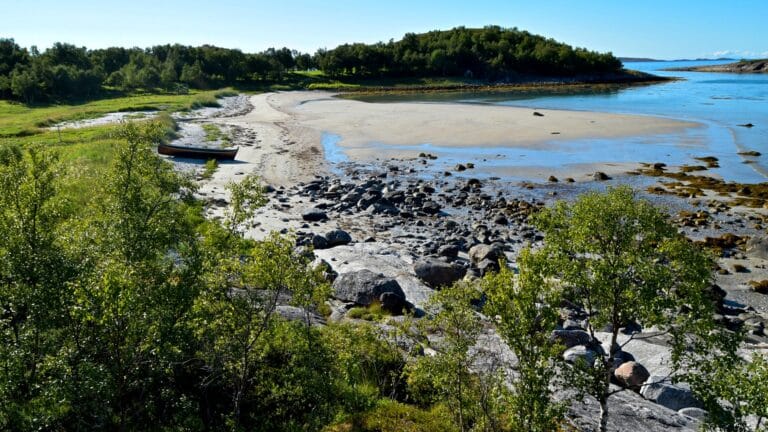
x: 743, y: 66
x: 644, y: 59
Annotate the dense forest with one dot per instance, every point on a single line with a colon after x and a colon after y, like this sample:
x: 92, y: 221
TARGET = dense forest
x: 65, y: 71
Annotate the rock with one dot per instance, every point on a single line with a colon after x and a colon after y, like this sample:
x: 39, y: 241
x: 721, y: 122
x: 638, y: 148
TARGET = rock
x: 571, y: 338
x: 631, y: 375
x: 757, y: 247
x: 482, y: 252
x: 319, y: 242
x: 747, y: 125
x: 293, y: 313
x: 393, y: 303
x: 580, y: 353
x: 438, y: 273
x: 362, y: 287
x: 674, y: 397
x: 693, y: 412
x: 537, y: 114
x: 488, y: 266
x: 448, y: 251
x: 600, y: 176
x: 552, y: 179
x: 430, y: 207
x: 659, y: 166
x: 460, y: 167
x: 500, y: 220
x: 314, y: 215
x: 338, y: 237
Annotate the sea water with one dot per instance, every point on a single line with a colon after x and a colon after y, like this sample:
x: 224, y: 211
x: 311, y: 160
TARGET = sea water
x: 721, y: 102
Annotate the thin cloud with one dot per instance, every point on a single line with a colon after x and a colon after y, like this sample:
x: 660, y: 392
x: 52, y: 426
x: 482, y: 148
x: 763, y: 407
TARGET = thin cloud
x: 739, y: 54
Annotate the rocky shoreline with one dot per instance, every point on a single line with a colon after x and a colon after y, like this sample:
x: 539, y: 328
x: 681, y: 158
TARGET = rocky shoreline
x: 393, y: 232
x: 744, y: 66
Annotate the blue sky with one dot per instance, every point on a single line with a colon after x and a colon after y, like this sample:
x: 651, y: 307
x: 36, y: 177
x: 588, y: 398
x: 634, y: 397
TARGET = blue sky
x: 649, y: 28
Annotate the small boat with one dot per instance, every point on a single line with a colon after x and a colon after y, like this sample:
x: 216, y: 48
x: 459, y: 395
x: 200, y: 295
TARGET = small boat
x: 197, y: 152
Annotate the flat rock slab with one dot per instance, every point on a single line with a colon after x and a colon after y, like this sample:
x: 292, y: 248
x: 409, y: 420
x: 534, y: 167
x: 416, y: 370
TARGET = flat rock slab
x: 393, y: 262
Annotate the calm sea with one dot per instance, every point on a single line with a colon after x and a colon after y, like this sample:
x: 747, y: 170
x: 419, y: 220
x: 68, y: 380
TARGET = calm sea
x: 721, y: 102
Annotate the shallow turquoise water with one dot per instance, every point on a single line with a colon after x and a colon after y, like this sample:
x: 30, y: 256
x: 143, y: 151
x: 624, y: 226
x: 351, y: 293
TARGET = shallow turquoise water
x: 721, y: 102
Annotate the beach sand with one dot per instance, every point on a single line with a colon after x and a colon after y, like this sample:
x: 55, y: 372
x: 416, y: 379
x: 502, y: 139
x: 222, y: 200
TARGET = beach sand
x: 290, y: 125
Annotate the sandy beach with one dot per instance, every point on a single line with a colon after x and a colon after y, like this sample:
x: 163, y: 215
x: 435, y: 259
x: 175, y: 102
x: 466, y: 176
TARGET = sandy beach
x: 290, y: 127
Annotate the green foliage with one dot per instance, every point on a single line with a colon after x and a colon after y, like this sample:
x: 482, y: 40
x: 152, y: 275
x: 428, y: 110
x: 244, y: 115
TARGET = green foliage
x: 624, y: 262
x: 491, y: 52
x: 368, y: 363
x: 733, y: 389
x: 524, y: 308
x: 210, y: 168
x: 372, y: 312
x: 246, y: 197
x: 446, y: 377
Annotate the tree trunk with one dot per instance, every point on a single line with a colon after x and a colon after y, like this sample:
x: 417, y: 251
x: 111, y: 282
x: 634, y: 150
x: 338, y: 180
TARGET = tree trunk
x: 603, y: 414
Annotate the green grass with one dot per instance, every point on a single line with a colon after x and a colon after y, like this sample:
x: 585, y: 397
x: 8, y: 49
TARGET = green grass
x: 18, y: 120
x: 373, y: 312
x: 87, y: 152
x: 210, y: 167
x: 213, y: 133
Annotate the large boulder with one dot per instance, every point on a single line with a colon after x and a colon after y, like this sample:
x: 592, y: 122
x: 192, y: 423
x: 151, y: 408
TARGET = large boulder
x: 438, y: 273
x: 631, y: 375
x: 481, y: 252
x: 363, y: 287
x: 674, y: 397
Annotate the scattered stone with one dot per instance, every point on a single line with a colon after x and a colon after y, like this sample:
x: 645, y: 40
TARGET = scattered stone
x: 460, y: 167
x: 600, y: 176
x: 448, y: 251
x: 436, y: 273
x: 747, y: 125
x: 314, y: 215
x: 338, y: 237
x: 482, y: 252
x: 749, y: 153
x: 759, y: 286
x: 537, y: 114
x: 631, y: 375
x: 552, y: 179
x: 319, y: 242
x: 571, y: 338
x: 738, y: 268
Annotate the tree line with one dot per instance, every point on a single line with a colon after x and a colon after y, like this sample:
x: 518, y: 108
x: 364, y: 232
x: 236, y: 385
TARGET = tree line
x: 65, y: 71
x: 133, y: 312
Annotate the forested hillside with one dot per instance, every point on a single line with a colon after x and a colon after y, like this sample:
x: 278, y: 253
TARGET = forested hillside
x: 66, y: 72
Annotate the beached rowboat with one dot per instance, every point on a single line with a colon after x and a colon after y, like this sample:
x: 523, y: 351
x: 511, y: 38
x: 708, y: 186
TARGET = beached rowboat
x: 197, y: 152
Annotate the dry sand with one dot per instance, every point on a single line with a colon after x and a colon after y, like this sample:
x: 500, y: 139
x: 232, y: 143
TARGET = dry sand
x: 290, y: 125
x: 462, y: 125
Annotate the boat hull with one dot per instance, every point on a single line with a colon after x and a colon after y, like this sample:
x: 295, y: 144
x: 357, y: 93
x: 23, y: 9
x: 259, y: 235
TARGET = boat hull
x: 197, y: 152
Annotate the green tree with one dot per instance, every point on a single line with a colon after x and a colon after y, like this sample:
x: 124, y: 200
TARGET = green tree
x: 34, y: 270
x: 446, y: 376
x: 236, y: 319
x: 623, y: 261
x: 525, y: 313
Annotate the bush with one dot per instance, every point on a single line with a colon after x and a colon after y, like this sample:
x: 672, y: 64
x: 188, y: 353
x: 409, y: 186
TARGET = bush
x: 391, y: 416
